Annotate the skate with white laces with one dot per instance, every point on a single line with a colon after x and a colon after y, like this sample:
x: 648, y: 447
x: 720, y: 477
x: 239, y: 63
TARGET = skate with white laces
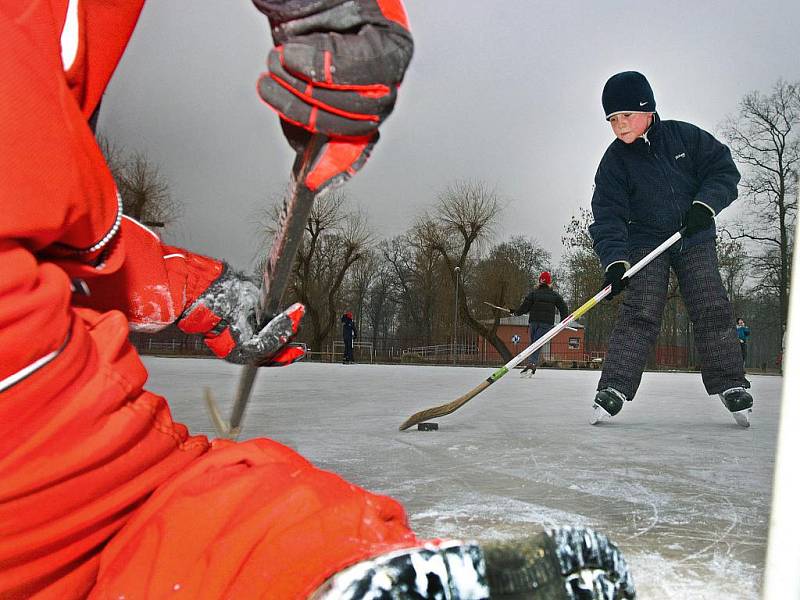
x: 564, y: 563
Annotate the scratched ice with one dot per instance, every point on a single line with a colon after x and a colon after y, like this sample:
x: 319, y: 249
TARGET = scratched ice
x: 672, y: 480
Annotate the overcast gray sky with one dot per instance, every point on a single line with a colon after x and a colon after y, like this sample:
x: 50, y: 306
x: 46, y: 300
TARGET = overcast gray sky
x: 504, y: 91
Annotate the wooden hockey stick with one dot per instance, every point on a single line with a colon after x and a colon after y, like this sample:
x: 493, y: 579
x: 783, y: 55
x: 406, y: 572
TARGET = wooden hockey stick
x: 503, y: 308
x: 446, y: 409
x: 294, y: 215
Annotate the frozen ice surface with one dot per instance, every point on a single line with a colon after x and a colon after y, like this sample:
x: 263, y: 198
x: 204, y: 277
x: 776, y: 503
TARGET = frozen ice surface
x: 682, y: 489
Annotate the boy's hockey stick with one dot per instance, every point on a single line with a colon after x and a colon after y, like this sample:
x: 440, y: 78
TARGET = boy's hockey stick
x: 446, y: 409
x: 294, y: 215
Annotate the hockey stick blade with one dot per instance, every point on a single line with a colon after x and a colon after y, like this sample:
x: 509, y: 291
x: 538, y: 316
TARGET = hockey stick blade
x: 446, y: 409
x: 220, y: 426
x: 280, y: 260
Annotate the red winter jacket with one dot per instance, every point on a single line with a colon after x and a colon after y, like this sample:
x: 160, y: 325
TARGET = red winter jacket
x: 101, y: 493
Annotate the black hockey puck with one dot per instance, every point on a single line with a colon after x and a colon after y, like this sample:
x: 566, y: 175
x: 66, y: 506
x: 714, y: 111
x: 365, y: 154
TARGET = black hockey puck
x: 428, y: 426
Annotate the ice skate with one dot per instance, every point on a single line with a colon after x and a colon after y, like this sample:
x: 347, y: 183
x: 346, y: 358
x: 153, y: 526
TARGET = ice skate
x: 566, y: 562
x: 592, y: 566
x: 527, y: 371
x: 607, y: 403
x: 449, y: 570
x: 740, y: 404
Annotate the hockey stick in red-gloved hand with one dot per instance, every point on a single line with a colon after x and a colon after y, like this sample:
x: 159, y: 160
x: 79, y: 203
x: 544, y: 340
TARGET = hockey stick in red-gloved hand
x: 446, y: 409
x: 294, y: 216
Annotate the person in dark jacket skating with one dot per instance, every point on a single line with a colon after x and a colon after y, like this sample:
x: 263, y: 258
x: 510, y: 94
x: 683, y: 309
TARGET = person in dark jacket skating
x: 349, y: 335
x: 658, y: 177
x: 541, y: 305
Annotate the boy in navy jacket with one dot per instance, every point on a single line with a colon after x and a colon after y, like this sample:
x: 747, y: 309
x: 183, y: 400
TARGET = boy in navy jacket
x: 658, y: 177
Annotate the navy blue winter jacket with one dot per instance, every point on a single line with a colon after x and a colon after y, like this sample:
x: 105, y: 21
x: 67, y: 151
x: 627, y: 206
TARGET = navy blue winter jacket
x: 642, y: 190
x: 541, y: 304
x: 348, y: 328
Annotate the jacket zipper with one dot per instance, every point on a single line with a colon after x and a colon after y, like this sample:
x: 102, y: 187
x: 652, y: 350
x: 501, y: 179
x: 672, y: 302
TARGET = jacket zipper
x: 673, y: 203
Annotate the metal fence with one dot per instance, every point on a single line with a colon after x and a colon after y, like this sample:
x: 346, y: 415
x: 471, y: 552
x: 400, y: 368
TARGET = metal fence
x: 468, y: 351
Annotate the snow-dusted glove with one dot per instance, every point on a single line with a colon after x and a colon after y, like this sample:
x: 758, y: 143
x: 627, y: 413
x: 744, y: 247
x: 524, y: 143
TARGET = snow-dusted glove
x: 697, y: 218
x: 614, y: 274
x: 226, y: 316
x: 335, y: 70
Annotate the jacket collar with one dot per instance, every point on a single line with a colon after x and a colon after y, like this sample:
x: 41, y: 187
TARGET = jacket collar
x: 643, y: 142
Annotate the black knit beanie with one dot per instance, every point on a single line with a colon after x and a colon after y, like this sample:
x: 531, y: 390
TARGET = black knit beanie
x: 628, y: 91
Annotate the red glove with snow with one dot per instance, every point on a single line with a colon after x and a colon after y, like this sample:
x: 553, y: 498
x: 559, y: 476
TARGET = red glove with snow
x: 335, y: 70
x: 226, y: 316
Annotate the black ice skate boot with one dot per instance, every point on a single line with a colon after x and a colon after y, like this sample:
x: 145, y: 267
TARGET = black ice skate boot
x: 607, y: 403
x: 561, y: 564
x: 740, y: 403
x: 566, y: 563
x: 450, y: 570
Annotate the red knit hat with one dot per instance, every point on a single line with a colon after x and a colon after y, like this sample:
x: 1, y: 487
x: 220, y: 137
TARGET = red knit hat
x: 545, y: 278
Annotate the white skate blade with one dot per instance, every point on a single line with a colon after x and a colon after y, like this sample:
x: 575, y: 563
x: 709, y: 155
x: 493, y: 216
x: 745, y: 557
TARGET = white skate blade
x: 742, y: 417
x: 600, y: 415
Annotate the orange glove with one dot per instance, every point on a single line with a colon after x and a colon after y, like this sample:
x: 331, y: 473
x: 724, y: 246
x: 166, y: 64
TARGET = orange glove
x: 225, y: 313
x: 335, y: 70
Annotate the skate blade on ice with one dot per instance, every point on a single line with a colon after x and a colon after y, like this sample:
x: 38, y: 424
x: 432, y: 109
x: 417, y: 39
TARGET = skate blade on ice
x: 600, y: 415
x: 742, y: 417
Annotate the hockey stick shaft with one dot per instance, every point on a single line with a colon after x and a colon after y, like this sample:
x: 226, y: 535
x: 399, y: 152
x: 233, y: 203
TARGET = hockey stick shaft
x: 280, y: 261
x: 446, y: 409
x: 503, y: 308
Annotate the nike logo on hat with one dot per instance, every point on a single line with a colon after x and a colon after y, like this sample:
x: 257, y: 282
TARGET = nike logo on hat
x: 642, y: 103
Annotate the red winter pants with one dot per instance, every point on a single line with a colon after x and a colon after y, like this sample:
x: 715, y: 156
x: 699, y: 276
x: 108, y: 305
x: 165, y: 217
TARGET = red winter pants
x: 102, y: 495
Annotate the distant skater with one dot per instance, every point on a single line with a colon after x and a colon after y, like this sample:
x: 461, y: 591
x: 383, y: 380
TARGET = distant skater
x: 349, y: 335
x: 541, y: 305
x: 743, y: 333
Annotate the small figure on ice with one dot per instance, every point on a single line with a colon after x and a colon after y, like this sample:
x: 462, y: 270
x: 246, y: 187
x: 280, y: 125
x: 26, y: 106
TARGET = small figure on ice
x: 349, y: 335
x: 743, y: 333
x: 656, y: 178
x: 541, y: 305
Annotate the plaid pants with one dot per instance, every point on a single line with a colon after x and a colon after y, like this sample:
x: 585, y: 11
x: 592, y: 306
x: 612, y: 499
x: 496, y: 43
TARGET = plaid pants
x: 639, y: 320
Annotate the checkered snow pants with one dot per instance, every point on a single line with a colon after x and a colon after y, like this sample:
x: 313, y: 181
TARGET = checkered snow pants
x: 639, y: 320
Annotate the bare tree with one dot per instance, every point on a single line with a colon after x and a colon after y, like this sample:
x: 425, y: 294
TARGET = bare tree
x: 358, y: 282
x: 505, y: 276
x: 764, y: 140
x: 145, y: 192
x: 733, y: 266
x: 335, y: 238
x: 382, y: 303
x: 585, y: 278
x: 461, y: 226
x: 415, y: 267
